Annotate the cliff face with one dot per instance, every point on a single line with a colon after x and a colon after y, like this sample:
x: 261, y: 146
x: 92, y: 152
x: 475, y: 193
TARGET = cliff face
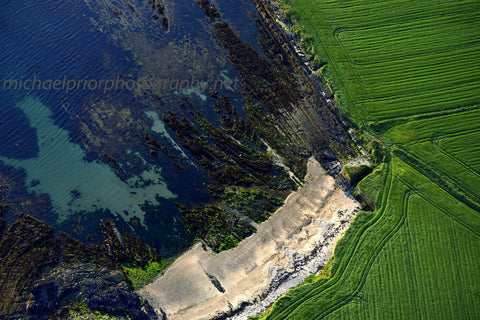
x: 294, y: 97
x: 42, y: 274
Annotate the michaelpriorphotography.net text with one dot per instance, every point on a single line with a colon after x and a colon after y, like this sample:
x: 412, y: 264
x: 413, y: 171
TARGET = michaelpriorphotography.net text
x: 69, y: 84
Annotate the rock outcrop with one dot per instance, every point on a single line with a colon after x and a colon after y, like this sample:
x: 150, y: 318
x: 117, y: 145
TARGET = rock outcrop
x: 100, y: 288
x: 42, y: 274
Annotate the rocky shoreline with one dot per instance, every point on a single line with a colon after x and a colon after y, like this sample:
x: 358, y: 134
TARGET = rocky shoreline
x: 44, y: 275
x: 296, y: 241
x: 299, y: 238
x: 293, y: 46
x: 282, y: 280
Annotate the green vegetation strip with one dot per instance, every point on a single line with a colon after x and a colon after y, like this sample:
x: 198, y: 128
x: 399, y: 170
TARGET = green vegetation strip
x: 140, y: 277
x: 80, y: 311
x: 407, y: 73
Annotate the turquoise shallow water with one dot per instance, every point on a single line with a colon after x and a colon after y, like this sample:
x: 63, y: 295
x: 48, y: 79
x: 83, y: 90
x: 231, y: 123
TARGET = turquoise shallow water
x: 42, y: 132
x: 74, y: 184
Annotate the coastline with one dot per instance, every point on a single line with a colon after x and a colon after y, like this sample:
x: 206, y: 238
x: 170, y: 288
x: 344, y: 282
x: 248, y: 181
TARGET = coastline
x: 296, y: 241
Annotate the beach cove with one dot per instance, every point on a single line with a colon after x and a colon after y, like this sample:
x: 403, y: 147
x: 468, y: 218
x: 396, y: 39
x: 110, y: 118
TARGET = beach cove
x: 296, y: 241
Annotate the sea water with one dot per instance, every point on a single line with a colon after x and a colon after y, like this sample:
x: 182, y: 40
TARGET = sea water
x: 73, y: 183
x: 86, y: 39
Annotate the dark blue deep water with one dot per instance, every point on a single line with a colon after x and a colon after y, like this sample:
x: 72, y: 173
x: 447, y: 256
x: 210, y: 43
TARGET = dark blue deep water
x: 52, y: 141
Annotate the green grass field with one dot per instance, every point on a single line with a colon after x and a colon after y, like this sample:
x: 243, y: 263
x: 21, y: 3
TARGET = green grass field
x: 407, y: 72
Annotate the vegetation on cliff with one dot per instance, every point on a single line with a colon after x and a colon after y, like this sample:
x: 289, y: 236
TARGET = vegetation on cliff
x: 416, y: 89
x: 140, y: 276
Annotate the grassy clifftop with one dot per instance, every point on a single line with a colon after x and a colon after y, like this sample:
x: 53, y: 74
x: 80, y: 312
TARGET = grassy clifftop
x: 406, y: 72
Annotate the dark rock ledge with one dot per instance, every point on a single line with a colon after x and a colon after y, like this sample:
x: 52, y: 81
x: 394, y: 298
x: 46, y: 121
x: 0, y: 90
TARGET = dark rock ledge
x: 42, y: 275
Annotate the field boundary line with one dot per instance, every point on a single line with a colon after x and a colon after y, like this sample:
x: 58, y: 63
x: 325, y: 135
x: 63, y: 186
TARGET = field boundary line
x: 436, y: 206
x: 428, y: 115
x: 432, y: 173
x: 451, y: 156
x: 440, y: 136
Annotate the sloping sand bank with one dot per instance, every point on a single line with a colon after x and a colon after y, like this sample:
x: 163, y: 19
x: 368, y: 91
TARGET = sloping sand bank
x: 296, y: 241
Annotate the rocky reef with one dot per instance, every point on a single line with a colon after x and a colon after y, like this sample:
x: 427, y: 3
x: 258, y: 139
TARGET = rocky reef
x: 286, y: 90
x: 124, y: 248
x: 42, y: 275
x: 209, y: 9
x: 253, y: 156
x: 246, y: 184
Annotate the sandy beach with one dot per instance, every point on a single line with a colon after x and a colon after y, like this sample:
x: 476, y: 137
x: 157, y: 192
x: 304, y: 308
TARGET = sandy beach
x: 297, y: 240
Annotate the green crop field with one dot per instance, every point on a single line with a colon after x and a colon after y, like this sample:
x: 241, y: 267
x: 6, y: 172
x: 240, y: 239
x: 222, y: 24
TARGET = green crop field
x: 407, y: 72
x: 394, y: 59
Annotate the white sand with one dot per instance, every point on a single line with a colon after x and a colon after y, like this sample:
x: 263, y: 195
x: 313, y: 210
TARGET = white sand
x: 304, y: 230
